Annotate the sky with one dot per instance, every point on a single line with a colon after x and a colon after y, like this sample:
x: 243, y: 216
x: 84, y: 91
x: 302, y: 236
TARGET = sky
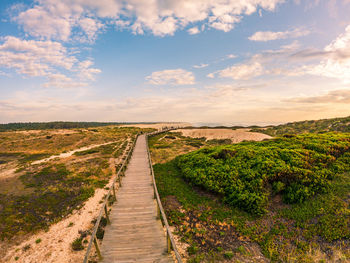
x: 224, y: 62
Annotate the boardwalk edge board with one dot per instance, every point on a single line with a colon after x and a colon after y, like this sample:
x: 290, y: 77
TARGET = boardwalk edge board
x: 170, y: 238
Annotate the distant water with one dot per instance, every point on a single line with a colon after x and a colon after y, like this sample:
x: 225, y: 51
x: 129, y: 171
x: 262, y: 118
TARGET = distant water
x: 227, y: 124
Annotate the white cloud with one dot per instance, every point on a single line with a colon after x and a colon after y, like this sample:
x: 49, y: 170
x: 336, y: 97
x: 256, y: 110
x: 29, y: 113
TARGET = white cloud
x: 91, y: 27
x: 171, y: 77
x: 269, y: 35
x: 335, y: 96
x: 241, y: 71
x: 230, y: 56
x: 39, y: 22
x: 291, y: 61
x: 39, y: 55
x: 211, y: 75
x: 201, y: 65
x: 225, y: 22
x: 57, y: 80
x: 86, y: 72
x: 51, y: 19
x: 336, y: 62
x: 121, y: 24
x: 193, y: 30
x: 4, y: 74
x: 35, y: 58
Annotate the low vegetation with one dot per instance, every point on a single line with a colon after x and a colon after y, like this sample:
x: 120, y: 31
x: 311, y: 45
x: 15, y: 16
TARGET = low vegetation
x: 31, y: 145
x: 166, y: 146
x: 285, y: 199
x: 36, y: 196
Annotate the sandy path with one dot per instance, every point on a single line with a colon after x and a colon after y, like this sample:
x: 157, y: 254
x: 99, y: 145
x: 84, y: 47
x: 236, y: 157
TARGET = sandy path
x: 10, y: 172
x: 70, y: 153
x: 7, y: 173
x: 234, y: 135
x: 55, y: 245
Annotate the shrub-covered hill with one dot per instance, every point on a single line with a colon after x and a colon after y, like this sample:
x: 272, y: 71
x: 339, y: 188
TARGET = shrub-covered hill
x: 248, y: 174
x: 315, y: 126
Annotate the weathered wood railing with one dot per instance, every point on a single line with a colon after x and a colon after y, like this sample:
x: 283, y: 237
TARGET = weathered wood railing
x: 104, y: 208
x: 170, y: 238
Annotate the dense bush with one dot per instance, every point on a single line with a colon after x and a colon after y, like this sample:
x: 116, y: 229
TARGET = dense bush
x: 247, y: 174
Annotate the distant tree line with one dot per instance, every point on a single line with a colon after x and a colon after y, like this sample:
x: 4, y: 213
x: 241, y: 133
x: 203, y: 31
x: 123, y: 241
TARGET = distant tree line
x: 53, y: 125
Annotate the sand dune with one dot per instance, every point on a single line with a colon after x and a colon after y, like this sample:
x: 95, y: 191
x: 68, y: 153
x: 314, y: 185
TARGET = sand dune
x: 235, y: 135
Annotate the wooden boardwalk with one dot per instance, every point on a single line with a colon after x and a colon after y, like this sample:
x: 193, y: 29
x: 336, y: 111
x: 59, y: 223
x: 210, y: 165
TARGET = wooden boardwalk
x: 135, y: 234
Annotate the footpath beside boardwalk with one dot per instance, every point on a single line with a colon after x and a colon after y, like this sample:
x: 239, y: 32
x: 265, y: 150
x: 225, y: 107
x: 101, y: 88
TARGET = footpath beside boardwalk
x: 135, y: 234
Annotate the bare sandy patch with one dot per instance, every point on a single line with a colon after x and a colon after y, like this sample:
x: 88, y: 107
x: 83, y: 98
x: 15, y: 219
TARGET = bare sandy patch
x: 234, y: 135
x: 63, y: 131
x: 55, y: 245
x: 7, y: 171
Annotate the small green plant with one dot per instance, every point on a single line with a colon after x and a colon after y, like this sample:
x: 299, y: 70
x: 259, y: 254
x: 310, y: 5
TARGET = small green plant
x: 241, y: 249
x: 228, y: 254
x: 38, y: 241
x: 220, y: 249
x: 16, y: 258
x: 192, y: 249
x: 26, y: 247
x: 70, y: 224
x: 278, y: 187
x: 100, y: 232
x: 77, y: 244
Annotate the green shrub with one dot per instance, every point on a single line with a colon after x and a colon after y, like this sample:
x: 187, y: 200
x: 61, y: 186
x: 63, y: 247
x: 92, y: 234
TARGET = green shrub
x: 77, y: 244
x: 192, y: 249
x: 228, y: 254
x: 297, y: 167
